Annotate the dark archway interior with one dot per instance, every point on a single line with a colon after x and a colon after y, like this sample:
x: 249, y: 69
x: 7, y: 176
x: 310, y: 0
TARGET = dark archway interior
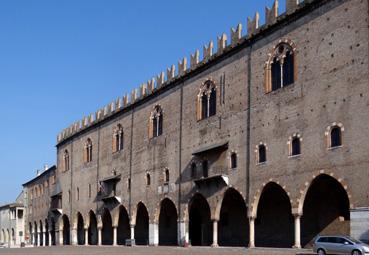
x: 36, y: 235
x: 53, y: 238
x: 200, y: 225
x: 47, y: 241
x: 107, y: 230
x: 233, y: 225
x: 92, y: 230
x: 168, y: 223
x: 124, y: 231
x: 41, y: 234
x: 80, y: 230
x: 274, y: 225
x: 66, y: 231
x: 142, y: 226
x: 326, y: 210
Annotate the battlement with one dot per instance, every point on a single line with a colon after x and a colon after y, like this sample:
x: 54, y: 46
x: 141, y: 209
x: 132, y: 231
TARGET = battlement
x: 171, y: 75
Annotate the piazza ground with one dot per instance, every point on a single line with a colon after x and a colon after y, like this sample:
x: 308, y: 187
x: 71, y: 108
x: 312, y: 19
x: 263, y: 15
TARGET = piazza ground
x: 70, y: 250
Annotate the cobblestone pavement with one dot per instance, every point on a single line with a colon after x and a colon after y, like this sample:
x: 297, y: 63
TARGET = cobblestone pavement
x: 152, y: 250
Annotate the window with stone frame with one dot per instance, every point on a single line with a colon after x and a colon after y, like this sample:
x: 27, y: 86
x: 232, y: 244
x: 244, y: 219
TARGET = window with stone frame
x: 66, y: 161
x: 87, y: 155
x: 166, y: 176
x: 336, y: 137
x: 234, y: 161
x: 148, y: 179
x: 118, y: 138
x: 156, y: 122
x: 261, y: 154
x: 207, y: 101
x: 281, y: 67
x: 294, y: 145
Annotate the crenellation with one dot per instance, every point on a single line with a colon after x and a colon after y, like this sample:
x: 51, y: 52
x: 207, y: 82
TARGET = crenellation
x: 143, y: 90
x: 119, y: 103
x: 125, y: 100
x: 271, y: 14
x: 151, y: 85
x: 253, y: 25
x: 291, y: 6
x: 91, y: 119
x: 182, y: 66
x: 236, y: 34
x: 195, y: 59
x: 208, y: 51
x: 222, y: 43
x: 134, y: 95
x: 171, y: 73
x: 160, y: 79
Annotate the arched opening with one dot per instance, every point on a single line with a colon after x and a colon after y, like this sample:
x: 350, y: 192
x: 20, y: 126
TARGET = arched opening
x: 80, y: 230
x: 336, y: 137
x: 30, y: 233
x: 142, y: 225
x: 92, y: 229
x: 200, y: 224
x: 262, y: 154
x: 13, y: 237
x: 36, y: 234
x: 166, y: 176
x: 66, y: 230
x: 274, y: 225
x: 168, y: 223
x: 296, y: 146
x: 233, y: 225
x: 107, y: 230
x: 47, y: 241
x: 326, y: 210
x: 124, y: 231
x: 53, y: 237
x: 41, y: 234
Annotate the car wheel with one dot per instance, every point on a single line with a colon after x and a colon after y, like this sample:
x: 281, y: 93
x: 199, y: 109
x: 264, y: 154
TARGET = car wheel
x: 356, y: 252
x: 322, y: 252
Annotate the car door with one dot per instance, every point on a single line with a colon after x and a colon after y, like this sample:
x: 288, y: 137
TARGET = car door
x: 332, y: 246
x: 345, y: 246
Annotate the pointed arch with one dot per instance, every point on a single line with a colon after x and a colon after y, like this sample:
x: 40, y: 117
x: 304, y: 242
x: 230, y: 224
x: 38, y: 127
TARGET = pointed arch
x: 142, y: 225
x: 200, y: 225
x: 325, y: 209
x: 80, y: 229
x: 66, y: 230
x: 233, y: 222
x: 107, y: 230
x: 168, y: 223
x: 124, y: 231
x: 206, y: 100
x: 92, y: 229
x: 274, y: 224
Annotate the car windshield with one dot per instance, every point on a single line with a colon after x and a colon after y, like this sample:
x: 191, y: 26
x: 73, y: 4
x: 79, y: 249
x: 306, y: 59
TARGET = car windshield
x: 354, y: 240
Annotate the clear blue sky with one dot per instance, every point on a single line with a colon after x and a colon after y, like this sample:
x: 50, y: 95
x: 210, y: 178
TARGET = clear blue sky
x: 61, y: 60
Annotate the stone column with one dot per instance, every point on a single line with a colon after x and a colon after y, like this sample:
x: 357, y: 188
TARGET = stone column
x: 39, y: 236
x: 252, y: 232
x: 297, y: 231
x: 182, y: 233
x: 99, y: 242
x: 153, y: 234
x: 61, y: 241
x: 215, y: 234
x: 50, y: 238
x: 86, y: 236
x: 115, y: 235
x: 43, y: 236
x: 132, y: 232
x: 74, y: 237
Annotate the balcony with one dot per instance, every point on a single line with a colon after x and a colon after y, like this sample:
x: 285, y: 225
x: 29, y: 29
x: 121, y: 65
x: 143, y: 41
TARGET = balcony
x: 108, y: 192
x: 217, y: 175
x: 56, y: 204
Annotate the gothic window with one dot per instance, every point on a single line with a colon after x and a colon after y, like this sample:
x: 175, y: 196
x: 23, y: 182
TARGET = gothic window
x: 336, y: 137
x: 294, y: 145
x: 88, y: 151
x: 193, y: 170
x: 206, y: 101
x: 118, y: 138
x: 281, y: 68
x: 156, y: 122
x: 205, y: 168
x: 166, y: 176
x: 66, y: 161
x: 262, y: 157
x: 233, y: 160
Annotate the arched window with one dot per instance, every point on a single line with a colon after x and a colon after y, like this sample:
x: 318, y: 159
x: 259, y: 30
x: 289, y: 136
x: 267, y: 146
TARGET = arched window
x: 193, y: 170
x: 166, y: 176
x: 118, y: 138
x: 296, y: 146
x: 336, y: 137
x: 156, y: 122
x: 234, y: 160
x: 262, y: 157
x: 77, y: 194
x: 66, y: 161
x: 280, y: 70
x: 148, y: 179
x: 207, y: 101
x: 205, y: 168
x: 88, y: 151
